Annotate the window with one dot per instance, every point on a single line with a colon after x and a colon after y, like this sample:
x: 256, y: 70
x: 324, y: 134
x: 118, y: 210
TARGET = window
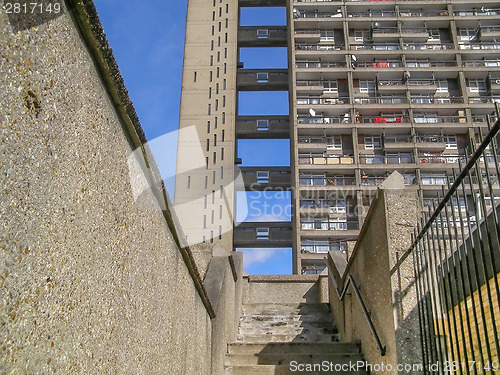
x: 262, y: 33
x: 194, y: 78
x: 218, y: 41
x: 335, y: 143
x: 434, y: 35
x: 442, y: 85
x: 223, y: 136
x: 477, y: 85
x: 212, y: 45
x: 214, y: 158
x: 262, y: 125
x: 425, y: 118
x: 204, y: 221
x: 262, y: 177
x: 215, y: 140
x: 466, y: 34
x: 213, y: 177
x: 337, y: 206
x: 208, y: 145
x: 221, y: 157
x: 189, y: 182
x: 451, y: 142
x: 327, y: 35
x: 373, y: 142
x: 222, y: 168
x: 217, y: 88
x: 361, y: 35
x: 338, y: 224
x: 330, y: 86
x: 366, y: 87
x: 262, y: 77
x: 225, y: 38
x: 433, y: 179
x: 262, y: 234
x: 205, y: 201
x: 206, y: 179
x: 209, y: 93
x: 223, y: 121
x: 209, y: 109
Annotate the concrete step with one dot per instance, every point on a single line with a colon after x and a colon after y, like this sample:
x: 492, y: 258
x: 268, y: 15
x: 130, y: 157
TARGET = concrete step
x: 313, y: 317
x: 306, y: 329
x: 300, y: 348
x: 282, y: 370
x: 286, y: 358
x: 305, y: 338
x: 284, y: 308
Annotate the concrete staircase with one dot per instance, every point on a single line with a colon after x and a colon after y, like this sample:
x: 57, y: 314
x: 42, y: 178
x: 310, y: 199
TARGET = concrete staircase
x: 277, y: 338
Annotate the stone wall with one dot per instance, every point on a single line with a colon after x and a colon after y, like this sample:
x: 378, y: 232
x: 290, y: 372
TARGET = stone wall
x: 91, y: 277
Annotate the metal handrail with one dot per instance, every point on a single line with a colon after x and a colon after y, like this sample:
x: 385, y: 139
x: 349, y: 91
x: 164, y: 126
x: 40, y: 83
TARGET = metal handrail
x: 350, y: 280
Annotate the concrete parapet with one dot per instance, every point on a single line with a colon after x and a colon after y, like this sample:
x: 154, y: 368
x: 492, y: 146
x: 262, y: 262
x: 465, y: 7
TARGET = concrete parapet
x: 390, y: 300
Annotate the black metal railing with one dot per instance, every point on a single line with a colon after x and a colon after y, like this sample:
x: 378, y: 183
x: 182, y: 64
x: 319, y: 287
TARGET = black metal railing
x: 456, y: 260
x: 341, y: 295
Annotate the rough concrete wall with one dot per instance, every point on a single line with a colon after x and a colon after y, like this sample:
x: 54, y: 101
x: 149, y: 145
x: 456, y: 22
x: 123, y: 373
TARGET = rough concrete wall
x: 282, y: 289
x: 369, y: 267
x: 402, y: 212
x: 90, y: 281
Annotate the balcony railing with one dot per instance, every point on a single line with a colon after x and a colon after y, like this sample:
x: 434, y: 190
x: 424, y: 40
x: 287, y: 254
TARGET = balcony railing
x: 439, y: 119
x: 321, y: 100
x: 320, y: 64
x: 479, y: 46
x: 308, y: 14
x: 429, y: 64
x: 436, y: 99
x: 409, y: 179
x: 388, y: 159
x: 424, y: 47
x: 441, y: 159
x: 329, y: 225
x: 479, y: 63
x: 483, y: 118
x: 475, y: 12
x: 326, y: 181
x: 398, y: 139
x: 318, y: 47
x: 376, y: 47
x: 372, y: 14
x: 484, y: 100
x: 323, y: 120
x: 309, y: 246
x: 382, y: 119
x: 420, y: 13
x: 381, y: 100
x: 380, y: 64
x: 329, y: 160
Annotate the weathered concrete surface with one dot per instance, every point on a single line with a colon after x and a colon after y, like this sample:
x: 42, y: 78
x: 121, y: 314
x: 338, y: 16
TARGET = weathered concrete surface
x: 284, y: 289
x: 390, y: 300
x: 91, y: 278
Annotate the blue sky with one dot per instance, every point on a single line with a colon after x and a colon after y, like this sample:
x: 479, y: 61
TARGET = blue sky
x: 148, y: 44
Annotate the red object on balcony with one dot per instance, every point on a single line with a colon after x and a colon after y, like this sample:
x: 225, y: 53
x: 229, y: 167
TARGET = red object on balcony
x: 379, y: 120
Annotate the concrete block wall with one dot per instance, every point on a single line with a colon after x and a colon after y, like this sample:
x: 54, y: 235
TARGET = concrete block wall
x: 91, y: 278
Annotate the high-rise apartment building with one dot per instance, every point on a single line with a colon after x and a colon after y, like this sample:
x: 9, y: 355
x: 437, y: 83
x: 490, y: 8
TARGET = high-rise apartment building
x: 374, y: 86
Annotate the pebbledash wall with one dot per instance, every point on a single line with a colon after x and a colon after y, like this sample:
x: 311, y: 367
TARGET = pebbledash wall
x: 92, y: 280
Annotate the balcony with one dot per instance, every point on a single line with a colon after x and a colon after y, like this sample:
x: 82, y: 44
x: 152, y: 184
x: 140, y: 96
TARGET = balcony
x: 477, y: 12
x: 266, y: 178
x: 441, y: 159
x: 321, y: 181
x: 325, y: 160
x: 421, y: 13
x: 318, y: 47
x: 430, y: 99
x: 323, y: 120
x: 409, y: 179
x: 481, y: 63
x: 318, y: 100
x: 327, y: 224
x: 479, y: 46
x: 385, y: 34
x: 262, y: 36
x: 493, y: 83
x: 396, y: 158
x: 389, y: 99
x: 382, y: 119
x: 263, y: 234
x: 322, y: 87
x: 387, y: 86
x: 397, y: 142
x: 489, y: 33
x: 435, y: 119
x: 262, y: 79
x: 431, y: 143
x: 484, y: 100
x: 380, y: 64
x: 415, y: 34
x: 429, y: 64
x: 320, y: 247
x: 262, y: 127
x: 320, y: 64
x: 376, y: 47
x: 427, y: 47
x: 298, y: 14
x: 372, y: 14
